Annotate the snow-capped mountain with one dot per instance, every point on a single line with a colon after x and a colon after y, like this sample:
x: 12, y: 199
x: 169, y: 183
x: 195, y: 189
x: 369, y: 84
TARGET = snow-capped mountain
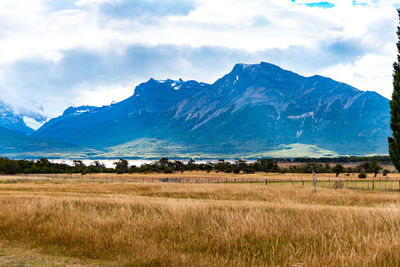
x: 12, y: 120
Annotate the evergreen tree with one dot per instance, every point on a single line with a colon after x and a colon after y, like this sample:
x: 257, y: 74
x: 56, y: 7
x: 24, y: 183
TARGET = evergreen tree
x: 394, y: 141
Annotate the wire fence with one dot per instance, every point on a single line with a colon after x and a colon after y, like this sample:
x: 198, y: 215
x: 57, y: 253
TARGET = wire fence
x: 377, y: 184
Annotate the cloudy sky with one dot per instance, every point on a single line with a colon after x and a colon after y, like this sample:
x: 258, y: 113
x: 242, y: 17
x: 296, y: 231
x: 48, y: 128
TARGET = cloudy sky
x: 59, y: 53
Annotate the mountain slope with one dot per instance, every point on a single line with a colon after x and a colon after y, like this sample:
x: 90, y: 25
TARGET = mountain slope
x: 11, y: 120
x: 14, y: 144
x: 255, y: 110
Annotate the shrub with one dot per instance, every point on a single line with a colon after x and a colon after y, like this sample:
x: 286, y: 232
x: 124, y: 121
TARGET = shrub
x: 168, y: 170
x: 362, y: 175
x: 248, y: 171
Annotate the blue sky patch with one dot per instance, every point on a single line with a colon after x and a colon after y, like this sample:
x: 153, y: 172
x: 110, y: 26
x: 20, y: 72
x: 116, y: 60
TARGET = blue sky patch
x: 355, y: 3
x: 318, y: 4
x: 137, y: 8
x: 60, y: 5
x: 321, y: 4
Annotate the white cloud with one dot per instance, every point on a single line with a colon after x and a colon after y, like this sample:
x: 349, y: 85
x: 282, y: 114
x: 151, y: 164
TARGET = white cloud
x: 102, y: 94
x: 46, y: 30
x: 92, y: 2
x: 371, y: 73
x: 32, y: 123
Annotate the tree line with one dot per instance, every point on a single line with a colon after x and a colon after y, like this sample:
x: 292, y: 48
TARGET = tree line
x: 345, y: 159
x: 164, y: 165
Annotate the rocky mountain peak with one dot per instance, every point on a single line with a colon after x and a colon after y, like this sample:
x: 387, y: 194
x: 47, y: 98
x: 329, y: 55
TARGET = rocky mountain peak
x: 253, y: 109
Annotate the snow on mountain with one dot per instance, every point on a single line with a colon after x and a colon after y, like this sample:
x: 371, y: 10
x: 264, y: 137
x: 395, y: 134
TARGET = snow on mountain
x: 12, y: 120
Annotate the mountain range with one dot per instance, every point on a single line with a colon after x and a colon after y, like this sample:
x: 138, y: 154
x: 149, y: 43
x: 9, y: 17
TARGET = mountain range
x: 257, y: 110
x: 11, y: 120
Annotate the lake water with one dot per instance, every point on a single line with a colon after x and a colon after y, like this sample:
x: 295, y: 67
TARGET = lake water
x: 109, y: 163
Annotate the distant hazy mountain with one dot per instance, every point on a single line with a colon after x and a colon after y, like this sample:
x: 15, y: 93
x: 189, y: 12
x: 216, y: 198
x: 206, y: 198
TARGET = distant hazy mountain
x: 16, y: 144
x: 12, y: 120
x: 256, y: 110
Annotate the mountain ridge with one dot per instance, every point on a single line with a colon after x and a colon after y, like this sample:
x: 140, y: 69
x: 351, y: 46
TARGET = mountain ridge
x: 18, y: 145
x: 12, y: 120
x: 254, y: 109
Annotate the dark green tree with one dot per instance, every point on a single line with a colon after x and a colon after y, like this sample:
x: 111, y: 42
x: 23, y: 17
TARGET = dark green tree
x: 375, y: 168
x: 79, y: 166
x: 338, y: 169
x: 394, y: 141
x: 191, y: 165
x: 97, y: 167
x: 163, y: 161
x: 370, y: 167
x: 121, y: 166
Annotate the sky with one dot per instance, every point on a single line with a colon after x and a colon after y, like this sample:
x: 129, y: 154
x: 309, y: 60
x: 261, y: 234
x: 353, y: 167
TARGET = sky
x: 60, y: 53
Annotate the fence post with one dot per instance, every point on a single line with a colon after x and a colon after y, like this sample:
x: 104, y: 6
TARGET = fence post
x: 347, y: 183
x: 266, y: 181
x: 315, y: 182
x: 373, y: 184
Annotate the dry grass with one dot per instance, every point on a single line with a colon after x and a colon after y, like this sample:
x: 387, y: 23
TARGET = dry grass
x: 203, y: 176
x: 202, y: 225
x: 17, y: 254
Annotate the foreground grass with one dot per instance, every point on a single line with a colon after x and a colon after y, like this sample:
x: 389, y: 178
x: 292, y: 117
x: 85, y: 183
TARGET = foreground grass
x: 17, y: 254
x: 202, y: 225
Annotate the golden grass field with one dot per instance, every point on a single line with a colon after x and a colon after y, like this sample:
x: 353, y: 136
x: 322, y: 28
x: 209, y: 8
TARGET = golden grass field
x: 61, y: 222
x: 205, y: 177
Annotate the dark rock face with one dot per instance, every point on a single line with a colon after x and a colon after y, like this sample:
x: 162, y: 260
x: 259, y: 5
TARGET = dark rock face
x: 252, y: 109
